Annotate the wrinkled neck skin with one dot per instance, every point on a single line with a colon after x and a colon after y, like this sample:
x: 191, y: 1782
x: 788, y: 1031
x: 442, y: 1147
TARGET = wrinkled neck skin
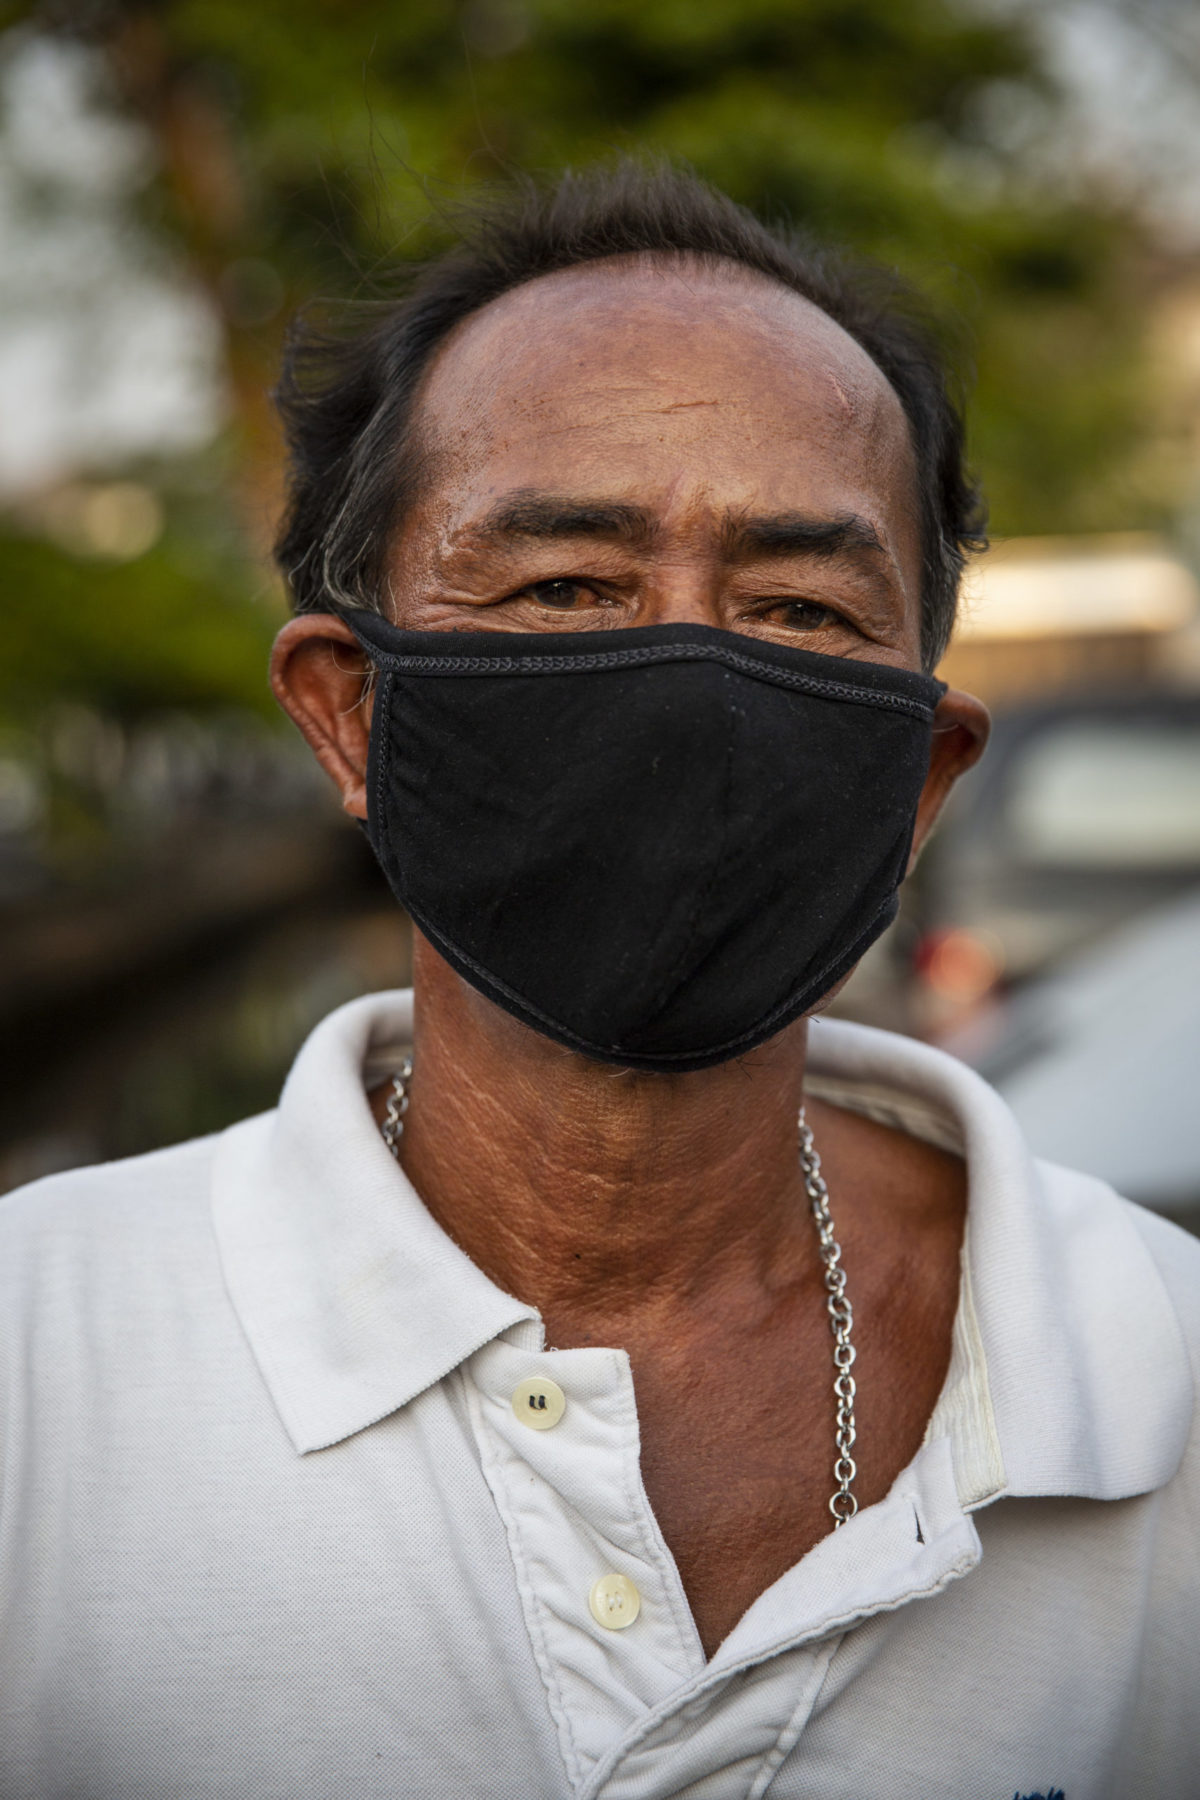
x: 603, y: 1196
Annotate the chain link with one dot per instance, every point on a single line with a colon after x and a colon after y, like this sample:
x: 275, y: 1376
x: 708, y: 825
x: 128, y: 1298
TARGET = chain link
x: 842, y: 1505
x: 393, y: 1119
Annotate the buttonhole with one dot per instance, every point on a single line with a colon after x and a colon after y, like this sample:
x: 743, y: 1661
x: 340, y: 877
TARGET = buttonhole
x: 920, y: 1533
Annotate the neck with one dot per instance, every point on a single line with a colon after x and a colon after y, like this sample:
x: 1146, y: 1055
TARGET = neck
x: 599, y: 1194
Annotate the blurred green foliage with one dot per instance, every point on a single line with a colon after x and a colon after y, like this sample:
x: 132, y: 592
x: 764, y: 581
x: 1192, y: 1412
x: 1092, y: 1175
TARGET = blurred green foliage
x: 177, y: 629
x: 871, y: 123
x: 306, y: 144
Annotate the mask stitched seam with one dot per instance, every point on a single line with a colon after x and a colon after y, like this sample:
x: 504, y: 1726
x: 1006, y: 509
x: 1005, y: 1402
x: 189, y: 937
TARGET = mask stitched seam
x: 615, y: 659
x: 383, y: 713
x: 746, y: 1040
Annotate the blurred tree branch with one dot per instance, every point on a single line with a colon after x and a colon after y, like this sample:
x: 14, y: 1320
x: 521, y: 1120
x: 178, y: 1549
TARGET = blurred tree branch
x: 305, y: 147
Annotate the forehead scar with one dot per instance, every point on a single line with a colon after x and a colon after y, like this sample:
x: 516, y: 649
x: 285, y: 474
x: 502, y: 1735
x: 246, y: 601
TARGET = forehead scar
x: 844, y: 401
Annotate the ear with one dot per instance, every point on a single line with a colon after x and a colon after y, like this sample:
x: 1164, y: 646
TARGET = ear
x: 961, y: 726
x: 319, y: 676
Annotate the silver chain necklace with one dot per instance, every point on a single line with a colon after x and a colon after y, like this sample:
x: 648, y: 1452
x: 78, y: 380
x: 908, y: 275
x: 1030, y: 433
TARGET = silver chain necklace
x: 842, y: 1505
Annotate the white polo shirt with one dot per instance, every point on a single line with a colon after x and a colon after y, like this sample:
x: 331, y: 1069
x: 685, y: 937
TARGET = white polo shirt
x: 271, y: 1528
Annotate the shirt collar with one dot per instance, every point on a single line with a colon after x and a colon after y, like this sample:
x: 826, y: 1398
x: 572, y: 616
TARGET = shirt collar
x: 1069, y: 1373
x: 354, y: 1300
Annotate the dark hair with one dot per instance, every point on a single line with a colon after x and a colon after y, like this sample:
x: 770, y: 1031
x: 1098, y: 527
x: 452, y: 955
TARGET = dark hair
x: 347, y: 401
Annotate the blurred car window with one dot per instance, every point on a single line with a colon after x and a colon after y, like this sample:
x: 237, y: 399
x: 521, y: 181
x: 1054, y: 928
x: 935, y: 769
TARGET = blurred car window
x: 1092, y: 794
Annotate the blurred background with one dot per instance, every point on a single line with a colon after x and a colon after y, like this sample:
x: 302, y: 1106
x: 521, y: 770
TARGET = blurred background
x: 179, y: 899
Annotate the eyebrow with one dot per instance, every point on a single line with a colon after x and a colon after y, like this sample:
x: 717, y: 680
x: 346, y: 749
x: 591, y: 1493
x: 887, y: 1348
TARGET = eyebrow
x: 797, y: 534
x: 530, y: 514
x: 533, y: 514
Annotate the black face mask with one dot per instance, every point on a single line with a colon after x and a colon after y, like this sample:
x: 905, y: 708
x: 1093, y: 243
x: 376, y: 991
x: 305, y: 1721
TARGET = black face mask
x: 656, y: 845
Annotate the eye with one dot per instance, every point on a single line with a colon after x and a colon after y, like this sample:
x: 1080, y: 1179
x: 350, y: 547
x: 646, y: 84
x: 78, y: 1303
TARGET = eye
x: 561, y: 595
x: 805, y: 615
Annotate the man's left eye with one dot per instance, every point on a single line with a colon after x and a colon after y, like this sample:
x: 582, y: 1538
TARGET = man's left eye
x: 562, y: 595
x: 804, y: 615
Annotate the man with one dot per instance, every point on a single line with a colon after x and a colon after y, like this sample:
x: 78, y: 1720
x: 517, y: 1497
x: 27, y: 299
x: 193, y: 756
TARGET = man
x: 639, y: 1391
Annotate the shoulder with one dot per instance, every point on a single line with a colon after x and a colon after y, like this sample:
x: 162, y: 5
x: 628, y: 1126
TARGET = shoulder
x: 1176, y: 1256
x: 120, y: 1351
x: 1109, y: 1245
x: 76, y: 1194
x: 1125, y: 1284
x: 1112, y: 1246
x: 111, y: 1286
x: 1083, y: 1206
x: 112, y: 1225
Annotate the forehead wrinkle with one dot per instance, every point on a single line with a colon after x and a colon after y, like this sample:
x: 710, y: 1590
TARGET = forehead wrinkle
x: 495, y: 360
x: 507, y: 338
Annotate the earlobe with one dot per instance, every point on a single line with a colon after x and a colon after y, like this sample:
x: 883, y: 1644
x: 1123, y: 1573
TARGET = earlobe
x: 320, y: 677
x: 961, y: 727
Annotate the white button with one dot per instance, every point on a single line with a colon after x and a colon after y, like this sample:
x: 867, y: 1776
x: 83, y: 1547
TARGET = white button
x: 539, y: 1403
x: 614, y: 1602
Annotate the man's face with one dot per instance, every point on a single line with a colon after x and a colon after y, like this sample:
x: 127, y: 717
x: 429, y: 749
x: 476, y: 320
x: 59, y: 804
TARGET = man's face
x: 650, y: 442
x: 645, y: 442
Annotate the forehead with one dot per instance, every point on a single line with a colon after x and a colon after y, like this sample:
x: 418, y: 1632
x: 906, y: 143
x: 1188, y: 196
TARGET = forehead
x: 714, y: 361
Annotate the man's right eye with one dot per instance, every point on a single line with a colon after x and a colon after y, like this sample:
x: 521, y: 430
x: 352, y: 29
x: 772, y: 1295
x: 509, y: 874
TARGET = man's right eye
x: 562, y: 595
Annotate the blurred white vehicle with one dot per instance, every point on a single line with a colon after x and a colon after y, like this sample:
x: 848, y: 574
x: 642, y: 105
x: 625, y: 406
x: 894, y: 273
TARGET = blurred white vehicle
x: 1084, y: 813
x: 1100, y: 1060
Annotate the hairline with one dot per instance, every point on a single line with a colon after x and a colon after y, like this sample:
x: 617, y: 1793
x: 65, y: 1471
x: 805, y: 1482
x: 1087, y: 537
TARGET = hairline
x: 420, y: 445
x: 349, y: 400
